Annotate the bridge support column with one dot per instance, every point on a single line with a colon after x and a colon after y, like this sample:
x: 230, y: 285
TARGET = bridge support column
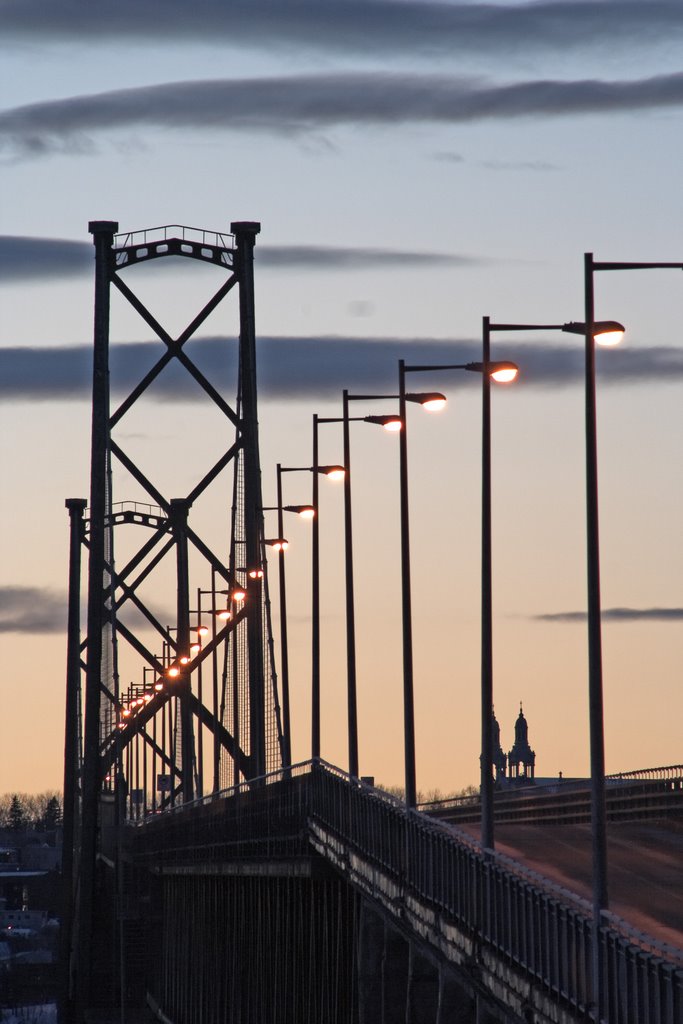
x: 423, y: 989
x: 370, y: 961
x: 455, y: 1006
x: 394, y: 977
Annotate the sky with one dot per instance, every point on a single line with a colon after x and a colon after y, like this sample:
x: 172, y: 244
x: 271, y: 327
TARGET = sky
x: 415, y: 166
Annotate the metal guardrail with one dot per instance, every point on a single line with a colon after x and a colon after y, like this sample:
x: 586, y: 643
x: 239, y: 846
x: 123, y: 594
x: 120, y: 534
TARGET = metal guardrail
x: 647, y: 794
x: 538, y: 931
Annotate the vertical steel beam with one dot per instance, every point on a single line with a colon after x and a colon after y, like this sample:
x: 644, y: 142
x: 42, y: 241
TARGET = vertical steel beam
x: 315, y: 603
x: 284, y: 644
x: 179, y: 508
x: 406, y: 603
x: 595, y: 695
x: 487, y: 840
x: 76, y: 507
x: 351, y: 686
x: 103, y: 236
x: 245, y: 237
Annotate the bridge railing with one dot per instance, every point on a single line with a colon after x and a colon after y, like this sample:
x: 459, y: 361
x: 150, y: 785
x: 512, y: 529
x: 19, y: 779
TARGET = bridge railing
x: 542, y: 932
x: 533, y: 929
x: 648, y: 793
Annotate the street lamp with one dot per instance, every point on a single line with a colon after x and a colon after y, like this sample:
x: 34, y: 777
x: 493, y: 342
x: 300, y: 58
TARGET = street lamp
x: 610, y: 331
x: 392, y: 423
x: 332, y: 472
x: 595, y: 687
x: 280, y: 545
x: 502, y: 372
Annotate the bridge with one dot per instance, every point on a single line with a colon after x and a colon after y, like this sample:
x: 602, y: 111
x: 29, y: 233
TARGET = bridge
x: 208, y: 879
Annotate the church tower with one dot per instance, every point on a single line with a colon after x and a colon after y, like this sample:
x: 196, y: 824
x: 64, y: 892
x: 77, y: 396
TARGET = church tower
x: 521, y: 759
x: 499, y: 758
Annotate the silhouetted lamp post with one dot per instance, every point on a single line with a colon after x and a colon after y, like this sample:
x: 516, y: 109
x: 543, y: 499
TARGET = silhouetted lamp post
x: 595, y: 685
x: 280, y: 545
x: 332, y: 473
x: 502, y: 372
x: 432, y: 401
x: 391, y: 422
x: 607, y: 330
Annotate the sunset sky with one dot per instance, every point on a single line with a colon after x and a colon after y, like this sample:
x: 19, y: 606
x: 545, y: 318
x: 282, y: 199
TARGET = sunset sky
x: 414, y: 166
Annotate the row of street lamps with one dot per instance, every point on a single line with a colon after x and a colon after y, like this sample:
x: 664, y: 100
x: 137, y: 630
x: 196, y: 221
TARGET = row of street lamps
x: 607, y: 333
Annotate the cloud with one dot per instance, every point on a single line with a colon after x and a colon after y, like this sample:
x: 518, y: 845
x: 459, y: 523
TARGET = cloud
x: 518, y: 165
x: 498, y: 165
x: 26, y: 258
x: 303, y: 367
x: 363, y: 26
x: 619, y: 615
x: 301, y: 103
x: 32, y: 610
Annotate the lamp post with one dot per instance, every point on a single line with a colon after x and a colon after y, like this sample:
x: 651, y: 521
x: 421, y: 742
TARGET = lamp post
x: 502, y: 372
x: 280, y: 545
x: 430, y: 400
x: 389, y: 423
x: 595, y: 684
x: 333, y: 472
x: 606, y: 329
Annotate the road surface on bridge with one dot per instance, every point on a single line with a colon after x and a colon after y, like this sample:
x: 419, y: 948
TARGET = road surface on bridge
x: 645, y: 868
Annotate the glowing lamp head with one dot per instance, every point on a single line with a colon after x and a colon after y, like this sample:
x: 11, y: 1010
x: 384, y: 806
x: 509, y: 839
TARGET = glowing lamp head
x: 305, y: 511
x: 239, y: 594
x: 173, y: 672
x: 195, y: 647
x: 431, y: 401
x: 202, y: 630
x: 256, y: 574
x: 126, y: 712
x: 333, y: 472
x: 280, y: 545
x: 158, y: 686
x: 184, y: 659
x: 390, y: 423
x: 503, y: 373
x: 609, y: 338
x: 605, y: 332
x: 224, y: 615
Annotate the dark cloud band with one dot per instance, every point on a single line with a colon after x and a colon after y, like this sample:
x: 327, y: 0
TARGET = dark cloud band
x: 23, y: 258
x: 364, y: 26
x: 619, y: 615
x: 296, y: 104
x: 31, y: 610
x: 292, y: 368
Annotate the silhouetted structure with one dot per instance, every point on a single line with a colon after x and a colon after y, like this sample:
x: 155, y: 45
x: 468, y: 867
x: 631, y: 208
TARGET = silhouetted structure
x: 522, y: 759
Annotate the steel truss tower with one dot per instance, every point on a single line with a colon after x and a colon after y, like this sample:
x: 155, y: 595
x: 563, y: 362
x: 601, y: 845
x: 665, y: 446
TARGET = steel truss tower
x: 204, y: 712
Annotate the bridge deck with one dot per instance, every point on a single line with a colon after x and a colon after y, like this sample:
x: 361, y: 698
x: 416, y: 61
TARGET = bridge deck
x: 645, y: 865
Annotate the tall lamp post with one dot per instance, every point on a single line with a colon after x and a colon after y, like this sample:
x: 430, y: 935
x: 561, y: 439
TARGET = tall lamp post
x: 499, y: 371
x: 607, y: 330
x: 595, y: 684
x: 391, y: 422
x: 432, y: 401
x: 333, y: 472
x: 280, y: 545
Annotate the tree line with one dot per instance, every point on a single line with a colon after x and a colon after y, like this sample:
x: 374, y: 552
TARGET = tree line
x: 39, y: 812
